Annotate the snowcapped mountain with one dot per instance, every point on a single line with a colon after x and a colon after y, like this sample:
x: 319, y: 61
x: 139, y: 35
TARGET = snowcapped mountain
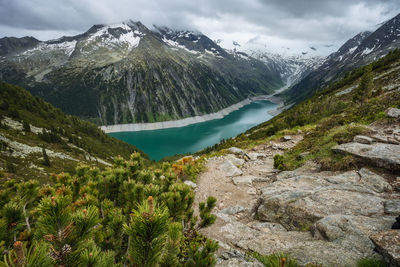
x: 126, y: 72
x: 291, y: 66
x: 360, y: 50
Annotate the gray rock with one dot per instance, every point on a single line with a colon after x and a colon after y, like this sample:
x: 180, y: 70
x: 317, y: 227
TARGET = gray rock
x: 363, y: 139
x: 236, y: 259
x: 232, y: 210
x: 269, y: 226
x: 235, y: 160
x: 350, y: 231
x: 255, y: 156
x: 388, y: 245
x: 392, y: 206
x: 303, y: 155
x: 236, y: 151
x: 381, y: 155
x: 393, y: 113
x: 246, y: 180
x: 287, y: 138
x: 298, y: 201
x: 230, y: 169
x: 190, y: 183
x: 374, y: 181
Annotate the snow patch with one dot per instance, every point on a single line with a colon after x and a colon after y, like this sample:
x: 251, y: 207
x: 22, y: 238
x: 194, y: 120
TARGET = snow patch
x: 176, y: 45
x: 130, y: 37
x: 66, y: 47
x: 351, y: 50
x: 367, y: 51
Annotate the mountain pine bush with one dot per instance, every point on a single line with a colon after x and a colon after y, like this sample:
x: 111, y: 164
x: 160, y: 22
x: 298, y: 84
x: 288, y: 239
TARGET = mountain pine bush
x: 125, y: 215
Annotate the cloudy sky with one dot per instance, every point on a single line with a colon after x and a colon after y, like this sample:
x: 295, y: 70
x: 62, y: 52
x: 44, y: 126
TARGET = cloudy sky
x: 314, y: 26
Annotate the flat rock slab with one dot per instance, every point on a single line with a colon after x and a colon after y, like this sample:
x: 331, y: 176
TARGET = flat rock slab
x: 298, y: 200
x: 236, y: 161
x: 380, y: 154
x: 244, y: 180
x: 230, y: 169
x: 388, y: 244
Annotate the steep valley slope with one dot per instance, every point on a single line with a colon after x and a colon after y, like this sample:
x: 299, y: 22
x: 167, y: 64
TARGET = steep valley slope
x: 127, y: 73
x: 360, y: 50
x: 28, y: 125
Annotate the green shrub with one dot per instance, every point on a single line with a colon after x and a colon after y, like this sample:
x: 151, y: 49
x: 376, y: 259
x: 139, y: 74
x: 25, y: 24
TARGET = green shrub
x: 11, y: 167
x: 276, y: 260
x: 278, y: 162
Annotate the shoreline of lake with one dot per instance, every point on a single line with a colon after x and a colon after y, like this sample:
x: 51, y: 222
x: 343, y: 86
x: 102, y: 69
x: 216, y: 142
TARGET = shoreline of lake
x: 134, y: 127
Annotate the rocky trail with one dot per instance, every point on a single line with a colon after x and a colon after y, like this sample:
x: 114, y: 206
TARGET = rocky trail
x: 331, y: 218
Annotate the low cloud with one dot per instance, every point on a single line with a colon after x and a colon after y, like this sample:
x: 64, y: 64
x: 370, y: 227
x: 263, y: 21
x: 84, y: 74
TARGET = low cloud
x: 297, y: 24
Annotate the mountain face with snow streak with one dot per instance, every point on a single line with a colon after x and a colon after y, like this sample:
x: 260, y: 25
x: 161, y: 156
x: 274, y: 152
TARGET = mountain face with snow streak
x: 360, y: 50
x: 126, y: 73
x: 292, y: 66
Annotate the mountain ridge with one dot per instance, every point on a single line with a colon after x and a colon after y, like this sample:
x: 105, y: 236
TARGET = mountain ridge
x: 363, y: 48
x: 126, y: 73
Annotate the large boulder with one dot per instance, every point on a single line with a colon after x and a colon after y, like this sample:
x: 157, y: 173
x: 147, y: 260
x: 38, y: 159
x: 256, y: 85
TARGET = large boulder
x: 388, y: 245
x: 230, y: 169
x: 236, y: 151
x: 236, y: 161
x: 379, y: 154
x: 299, y: 200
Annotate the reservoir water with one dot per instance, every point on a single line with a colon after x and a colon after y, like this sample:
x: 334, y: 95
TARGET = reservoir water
x: 168, y: 142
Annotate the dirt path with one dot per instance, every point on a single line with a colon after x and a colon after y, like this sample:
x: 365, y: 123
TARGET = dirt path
x: 238, y: 195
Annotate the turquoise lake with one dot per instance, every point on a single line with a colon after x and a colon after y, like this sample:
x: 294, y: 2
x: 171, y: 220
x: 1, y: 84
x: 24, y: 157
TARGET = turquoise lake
x: 168, y: 142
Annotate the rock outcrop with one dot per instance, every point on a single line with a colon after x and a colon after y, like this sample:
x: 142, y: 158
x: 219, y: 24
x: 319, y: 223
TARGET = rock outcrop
x: 388, y: 244
x: 393, y: 113
x: 297, y: 201
x: 379, y: 154
x: 311, y: 215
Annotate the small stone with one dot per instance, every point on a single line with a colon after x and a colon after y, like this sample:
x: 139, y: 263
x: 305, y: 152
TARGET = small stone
x: 252, y: 191
x: 393, y: 113
x: 190, y: 183
x: 304, y: 155
x: 392, y: 206
x: 236, y: 151
x: 287, y: 138
x: 363, y: 139
x: 255, y: 156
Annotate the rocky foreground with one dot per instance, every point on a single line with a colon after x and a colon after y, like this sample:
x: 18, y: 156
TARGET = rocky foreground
x: 331, y: 218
